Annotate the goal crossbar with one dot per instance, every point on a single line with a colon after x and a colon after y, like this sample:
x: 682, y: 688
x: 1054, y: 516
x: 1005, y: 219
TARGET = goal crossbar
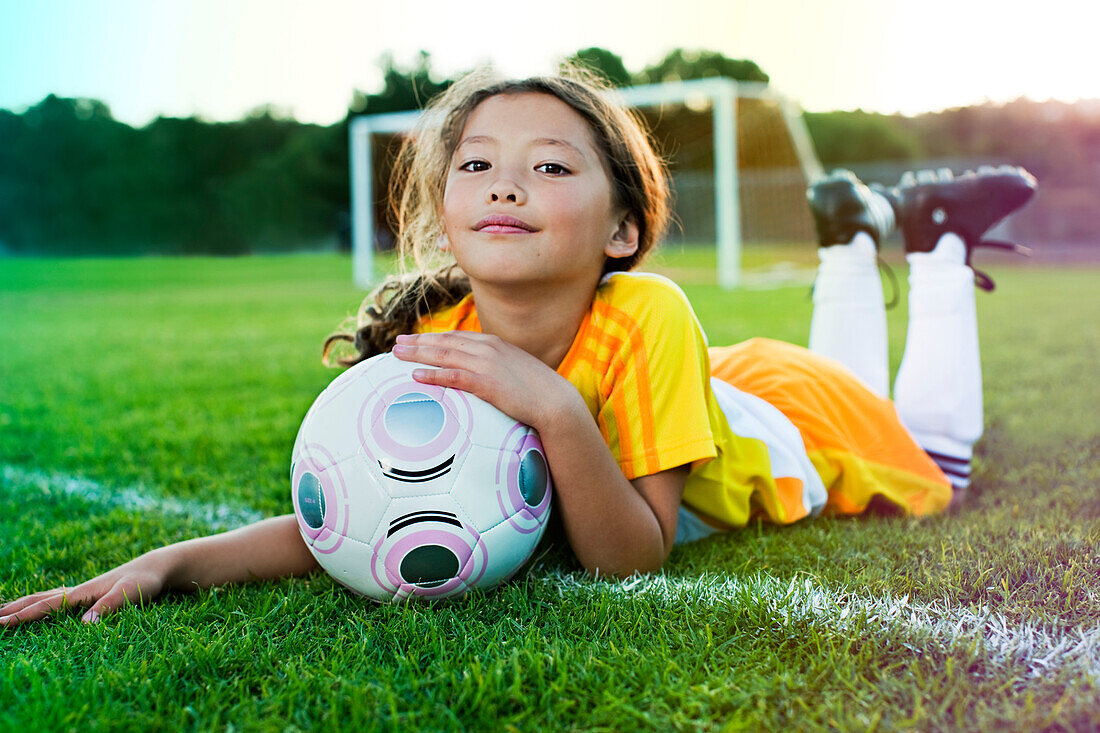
x: 719, y: 93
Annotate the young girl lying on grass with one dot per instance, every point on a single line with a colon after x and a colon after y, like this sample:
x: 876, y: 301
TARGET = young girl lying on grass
x: 547, y: 194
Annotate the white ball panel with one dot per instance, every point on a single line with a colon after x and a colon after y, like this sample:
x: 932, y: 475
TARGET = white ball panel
x: 366, y: 499
x: 507, y: 553
x: 351, y: 566
x: 332, y: 422
x: 478, y: 487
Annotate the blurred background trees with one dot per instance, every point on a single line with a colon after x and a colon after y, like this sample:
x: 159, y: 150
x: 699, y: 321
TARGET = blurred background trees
x: 75, y: 181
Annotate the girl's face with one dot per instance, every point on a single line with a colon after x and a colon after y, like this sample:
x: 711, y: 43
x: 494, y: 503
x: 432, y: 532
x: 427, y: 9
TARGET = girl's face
x: 527, y: 199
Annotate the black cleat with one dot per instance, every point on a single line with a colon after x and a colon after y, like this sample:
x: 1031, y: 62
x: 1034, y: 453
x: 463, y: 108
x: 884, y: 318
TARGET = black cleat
x: 928, y: 204
x: 843, y: 205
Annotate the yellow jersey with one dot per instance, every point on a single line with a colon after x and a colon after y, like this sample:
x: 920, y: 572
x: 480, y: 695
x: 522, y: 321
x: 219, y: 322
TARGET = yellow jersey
x: 769, y: 429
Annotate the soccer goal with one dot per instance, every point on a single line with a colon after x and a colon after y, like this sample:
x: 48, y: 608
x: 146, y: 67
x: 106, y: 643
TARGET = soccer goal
x: 740, y: 158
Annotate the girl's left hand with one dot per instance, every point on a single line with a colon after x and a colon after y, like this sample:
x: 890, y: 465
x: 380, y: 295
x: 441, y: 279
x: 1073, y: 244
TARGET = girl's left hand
x: 505, y: 376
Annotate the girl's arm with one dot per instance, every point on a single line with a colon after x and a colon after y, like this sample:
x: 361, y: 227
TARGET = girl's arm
x: 271, y: 548
x: 614, y: 527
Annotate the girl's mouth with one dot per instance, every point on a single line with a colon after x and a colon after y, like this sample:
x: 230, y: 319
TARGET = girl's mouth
x: 501, y: 224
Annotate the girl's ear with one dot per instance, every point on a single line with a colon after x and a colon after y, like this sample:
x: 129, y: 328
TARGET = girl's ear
x: 624, y: 240
x: 443, y: 243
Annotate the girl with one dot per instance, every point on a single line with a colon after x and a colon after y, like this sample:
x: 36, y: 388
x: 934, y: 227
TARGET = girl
x: 546, y: 195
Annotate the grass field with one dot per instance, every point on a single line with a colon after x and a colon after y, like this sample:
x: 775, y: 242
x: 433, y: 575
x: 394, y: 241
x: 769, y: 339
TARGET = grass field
x: 147, y: 401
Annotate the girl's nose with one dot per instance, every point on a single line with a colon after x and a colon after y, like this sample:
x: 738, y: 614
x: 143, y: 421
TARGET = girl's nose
x: 505, y: 189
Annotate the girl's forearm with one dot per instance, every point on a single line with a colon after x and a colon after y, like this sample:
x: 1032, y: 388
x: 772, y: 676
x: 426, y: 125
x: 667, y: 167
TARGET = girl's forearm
x: 269, y: 549
x: 609, y: 525
x: 272, y: 548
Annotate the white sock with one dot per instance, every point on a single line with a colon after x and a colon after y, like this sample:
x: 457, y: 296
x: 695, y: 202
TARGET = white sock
x: 849, y: 318
x: 938, y: 391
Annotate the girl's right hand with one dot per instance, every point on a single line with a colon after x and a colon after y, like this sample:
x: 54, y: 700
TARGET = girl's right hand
x: 140, y: 580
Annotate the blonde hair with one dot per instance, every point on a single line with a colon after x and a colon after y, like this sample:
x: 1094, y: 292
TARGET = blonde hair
x: 639, y: 187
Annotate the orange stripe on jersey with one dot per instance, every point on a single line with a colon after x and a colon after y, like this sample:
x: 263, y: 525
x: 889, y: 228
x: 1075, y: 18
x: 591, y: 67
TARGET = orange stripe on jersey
x: 645, y: 402
x: 586, y: 354
x: 611, y: 347
x: 581, y: 343
x: 592, y: 348
x: 622, y: 428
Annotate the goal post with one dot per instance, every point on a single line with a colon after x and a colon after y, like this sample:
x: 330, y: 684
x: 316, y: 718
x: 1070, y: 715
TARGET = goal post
x: 363, y: 226
x: 718, y: 94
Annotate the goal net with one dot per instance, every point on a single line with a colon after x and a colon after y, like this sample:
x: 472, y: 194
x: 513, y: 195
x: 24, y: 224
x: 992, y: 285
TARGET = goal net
x: 740, y: 159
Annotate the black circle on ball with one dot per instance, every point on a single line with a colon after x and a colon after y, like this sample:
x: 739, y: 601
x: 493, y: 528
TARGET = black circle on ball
x: 532, y: 477
x: 429, y: 566
x: 311, y: 500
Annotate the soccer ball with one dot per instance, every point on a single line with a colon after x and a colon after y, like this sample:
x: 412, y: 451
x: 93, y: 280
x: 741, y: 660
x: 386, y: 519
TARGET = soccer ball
x: 404, y: 489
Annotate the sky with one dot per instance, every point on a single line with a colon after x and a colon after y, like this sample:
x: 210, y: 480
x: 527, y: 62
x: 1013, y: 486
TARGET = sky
x: 220, y: 59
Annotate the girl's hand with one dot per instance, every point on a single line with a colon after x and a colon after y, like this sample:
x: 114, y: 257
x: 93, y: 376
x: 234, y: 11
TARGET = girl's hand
x: 268, y: 549
x: 142, y: 579
x: 265, y: 550
x: 505, y: 376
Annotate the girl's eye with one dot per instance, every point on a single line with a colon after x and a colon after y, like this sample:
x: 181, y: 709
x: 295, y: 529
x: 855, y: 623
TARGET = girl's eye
x: 474, y: 166
x: 553, y: 169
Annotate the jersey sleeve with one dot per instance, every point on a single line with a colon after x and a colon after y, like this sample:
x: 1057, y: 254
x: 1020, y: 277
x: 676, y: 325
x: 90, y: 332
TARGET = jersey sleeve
x: 657, y: 383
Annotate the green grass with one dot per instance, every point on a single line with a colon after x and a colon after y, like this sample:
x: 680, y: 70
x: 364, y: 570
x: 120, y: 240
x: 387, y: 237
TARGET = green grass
x: 187, y: 378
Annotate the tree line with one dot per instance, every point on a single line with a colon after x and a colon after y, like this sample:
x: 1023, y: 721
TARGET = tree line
x: 74, y: 180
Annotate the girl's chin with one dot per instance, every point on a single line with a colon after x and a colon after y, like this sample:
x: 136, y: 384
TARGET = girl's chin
x: 519, y: 284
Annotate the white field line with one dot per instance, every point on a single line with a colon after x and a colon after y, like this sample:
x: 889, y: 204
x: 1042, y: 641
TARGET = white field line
x: 136, y: 498
x: 1035, y: 649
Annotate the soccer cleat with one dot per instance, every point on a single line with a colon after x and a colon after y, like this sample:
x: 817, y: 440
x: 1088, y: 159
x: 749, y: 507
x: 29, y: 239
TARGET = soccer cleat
x: 928, y: 204
x: 842, y: 205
